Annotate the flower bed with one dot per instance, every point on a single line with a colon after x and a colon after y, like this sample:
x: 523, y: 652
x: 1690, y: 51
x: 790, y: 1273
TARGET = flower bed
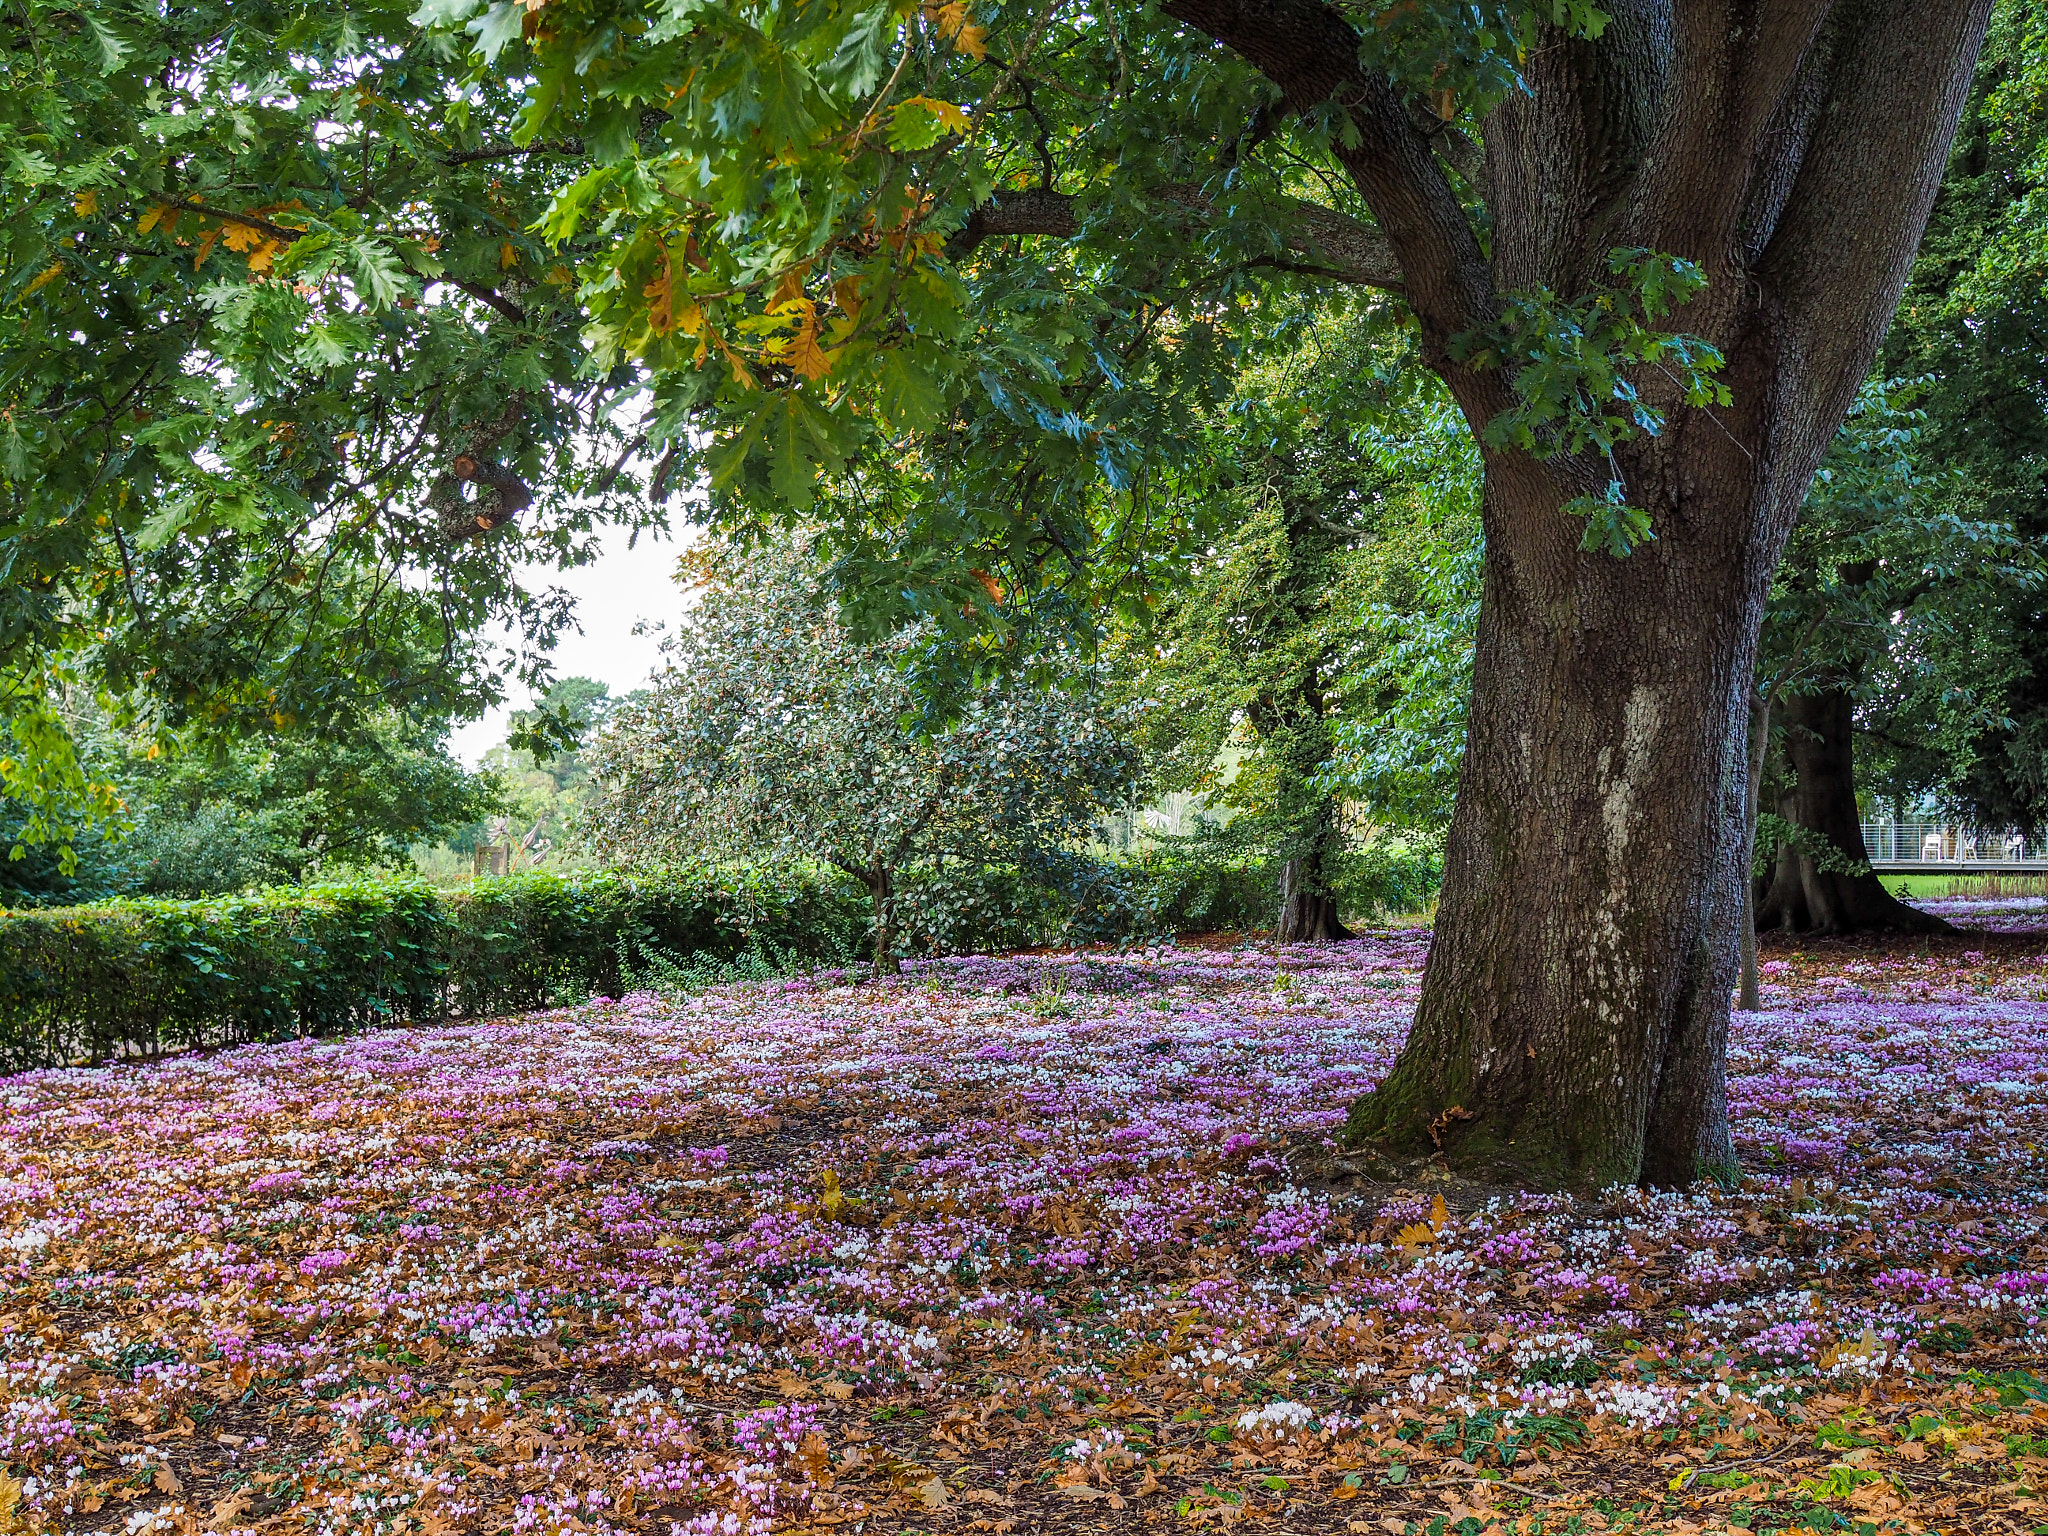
x: 1014, y: 1244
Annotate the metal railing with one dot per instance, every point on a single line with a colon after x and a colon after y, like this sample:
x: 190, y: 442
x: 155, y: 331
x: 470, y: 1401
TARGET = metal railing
x: 1937, y: 844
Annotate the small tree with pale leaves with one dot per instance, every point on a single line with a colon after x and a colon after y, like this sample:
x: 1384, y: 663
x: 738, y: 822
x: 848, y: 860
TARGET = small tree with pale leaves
x: 773, y: 731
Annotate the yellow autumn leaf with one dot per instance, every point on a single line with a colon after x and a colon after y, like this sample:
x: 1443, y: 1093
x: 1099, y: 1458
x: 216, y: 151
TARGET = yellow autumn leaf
x: 846, y: 293
x: 834, y: 1199
x: 507, y: 256
x: 802, y: 351
x: 156, y: 216
x: 261, y: 258
x: 86, y: 202
x: 661, y: 313
x: 48, y: 275
x: 1415, y: 1237
x: 952, y: 24
x: 953, y: 119
x: 791, y: 288
x: 1439, y: 1214
x: 742, y: 375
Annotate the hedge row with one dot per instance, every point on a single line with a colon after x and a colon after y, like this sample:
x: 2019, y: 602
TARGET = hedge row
x: 84, y: 983
x: 141, y: 977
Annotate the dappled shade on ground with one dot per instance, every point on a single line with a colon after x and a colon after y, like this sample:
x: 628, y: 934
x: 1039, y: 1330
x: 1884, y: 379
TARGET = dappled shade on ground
x: 1042, y: 1243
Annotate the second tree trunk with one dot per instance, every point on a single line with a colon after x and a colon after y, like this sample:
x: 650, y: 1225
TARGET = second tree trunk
x: 1822, y: 881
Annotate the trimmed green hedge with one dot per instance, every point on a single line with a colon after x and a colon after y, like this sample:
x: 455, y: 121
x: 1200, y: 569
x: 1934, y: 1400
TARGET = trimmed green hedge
x: 141, y: 977
x: 84, y: 983
x: 1068, y: 898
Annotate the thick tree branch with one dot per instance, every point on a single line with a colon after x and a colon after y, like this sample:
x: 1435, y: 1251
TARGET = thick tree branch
x: 846, y: 866
x: 1734, y: 66
x: 490, y: 296
x: 1452, y: 145
x: 1357, y: 251
x: 1565, y: 153
x: 1839, y: 258
x: 569, y: 147
x: 1019, y: 211
x: 1342, y: 248
x: 1310, y: 52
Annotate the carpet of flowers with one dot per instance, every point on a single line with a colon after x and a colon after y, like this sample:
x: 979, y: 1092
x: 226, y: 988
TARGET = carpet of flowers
x: 1017, y: 1244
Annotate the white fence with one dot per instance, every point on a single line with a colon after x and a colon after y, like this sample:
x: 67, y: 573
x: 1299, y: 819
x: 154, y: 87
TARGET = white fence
x: 1936, y: 844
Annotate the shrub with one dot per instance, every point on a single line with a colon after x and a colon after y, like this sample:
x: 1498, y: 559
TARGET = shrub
x: 1062, y: 897
x: 80, y: 983
x: 1388, y: 874
x: 140, y: 976
x: 214, y: 849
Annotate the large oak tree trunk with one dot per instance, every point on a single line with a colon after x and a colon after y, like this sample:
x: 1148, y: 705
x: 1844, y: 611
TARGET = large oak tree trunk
x: 1815, y: 886
x: 1572, y: 1029
x: 1573, y: 1021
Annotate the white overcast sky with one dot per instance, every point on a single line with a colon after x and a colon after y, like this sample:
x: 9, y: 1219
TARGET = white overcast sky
x: 616, y: 591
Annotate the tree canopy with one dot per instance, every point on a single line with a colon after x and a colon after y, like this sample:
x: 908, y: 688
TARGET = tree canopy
x: 813, y: 222
x: 1974, y: 324
x: 289, y: 385
x: 1296, y: 645
x: 960, y: 288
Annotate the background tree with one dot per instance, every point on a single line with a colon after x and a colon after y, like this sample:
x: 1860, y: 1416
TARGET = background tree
x: 1974, y: 320
x: 281, y: 813
x: 207, y: 816
x: 1412, y: 601
x: 543, y: 765
x: 774, y: 731
x: 1295, y: 631
x: 1884, y: 558
x: 980, y: 239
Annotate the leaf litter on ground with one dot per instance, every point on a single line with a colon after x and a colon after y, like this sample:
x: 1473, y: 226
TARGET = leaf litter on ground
x: 1014, y: 1244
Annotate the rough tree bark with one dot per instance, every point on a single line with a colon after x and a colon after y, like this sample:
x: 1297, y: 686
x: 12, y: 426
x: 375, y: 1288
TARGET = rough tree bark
x: 1308, y: 908
x: 1308, y: 912
x: 1573, y: 1020
x: 1809, y: 894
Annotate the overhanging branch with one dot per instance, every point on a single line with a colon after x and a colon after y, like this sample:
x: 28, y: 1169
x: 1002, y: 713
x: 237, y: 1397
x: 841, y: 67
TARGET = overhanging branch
x: 1309, y: 50
x: 284, y: 234
x: 1025, y: 211
x: 1341, y: 248
x: 490, y: 296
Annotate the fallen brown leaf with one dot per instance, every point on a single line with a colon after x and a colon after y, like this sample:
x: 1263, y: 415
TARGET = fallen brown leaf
x: 228, y: 1506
